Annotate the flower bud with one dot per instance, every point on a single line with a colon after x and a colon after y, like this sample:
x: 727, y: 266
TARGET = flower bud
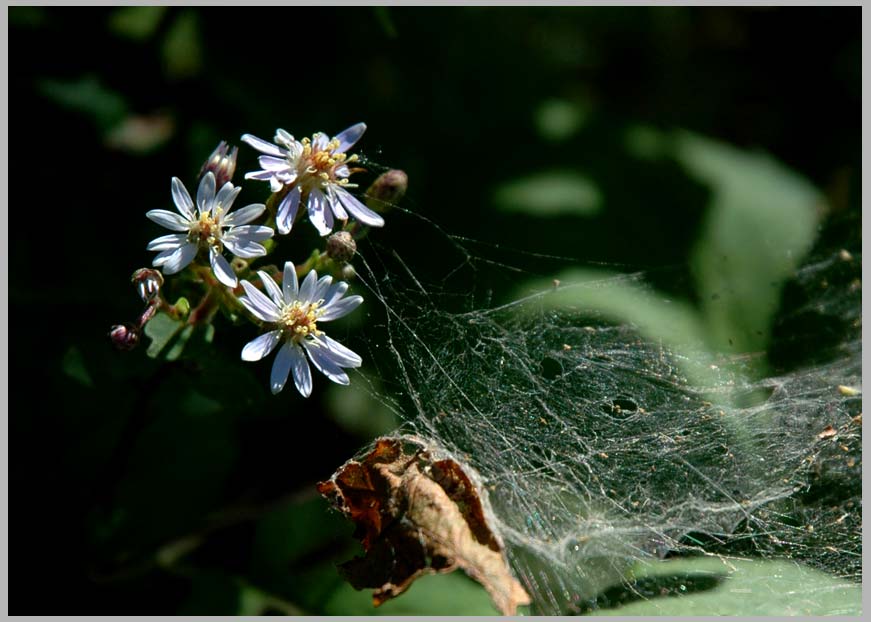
x: 221, y: 164
x: 124, y: 336
x: 387, y: 190
x: 341, y: 247
x: 148, y: 283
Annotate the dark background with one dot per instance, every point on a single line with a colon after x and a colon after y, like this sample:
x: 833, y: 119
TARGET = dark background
x: 114, y: 457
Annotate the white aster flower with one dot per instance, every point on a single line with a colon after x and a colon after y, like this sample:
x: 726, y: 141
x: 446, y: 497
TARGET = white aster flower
x: 210, y: 226
x: 293, y: 312
x: 316, y: 172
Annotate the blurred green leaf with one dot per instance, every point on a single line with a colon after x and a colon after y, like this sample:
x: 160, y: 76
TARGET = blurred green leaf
x: 560, y: 119
x: 748, y: 588
x: 136, y: 22
x: 161, y: 329
x: 553, y: 193
x: 621, y: 299
x: 73, y: 365
x: 432, y: 595
x: 89, y: 96
x: 183, y: 47
x: 356, y: 409
x: 761, y: 222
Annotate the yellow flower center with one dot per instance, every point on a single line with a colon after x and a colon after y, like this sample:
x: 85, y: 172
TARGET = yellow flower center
x: 207, y: 229
x: 300, y: 319
x: 322, y: 164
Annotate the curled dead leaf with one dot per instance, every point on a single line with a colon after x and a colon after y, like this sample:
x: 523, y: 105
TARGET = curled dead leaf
x: 417, y: 515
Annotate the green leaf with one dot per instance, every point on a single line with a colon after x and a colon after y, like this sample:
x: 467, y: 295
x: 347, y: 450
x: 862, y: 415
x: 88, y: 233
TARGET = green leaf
x: 560, y: 119
x: 553, y: 193
x: 623, y: 299
x: 183, y: 47
x: 747, y: 588
x: 161, y: 329
x: 356, y: 409
x: 73, y: 365
x: 89, y: 96
x: 136, y: 22
x: 441, y: 595
x: 761, y: 222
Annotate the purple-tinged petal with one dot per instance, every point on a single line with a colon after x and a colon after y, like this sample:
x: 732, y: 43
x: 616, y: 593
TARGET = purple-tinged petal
x: 171, y: 262
x: 262, y: 346
x: 246, y: 249
x: 183, y: 202
x: 289, y: 283
x: 271, y: 163
x: 308, y: 286
x: 322, y: 287
x: 320, y: 141
x: 348, y: 138
x: 340, y: 308
x: 336, y: 291
x: 258, y: 304
x: 260, y: 175
x: 343, y: 356
x: 287, y: 210
x: 281, y: 368
x: 244, y: 215
x: 261, y: 145
x: 302, y: 374
x: 319, y: 213
x: 167, y: 242
x: 358, y: 210
x: 322, y: 359
x: 271, y: 288
x: 206, y: 193
x: 226, y: 195
x: 336, y: 205
x: 221, y: 268
x: 275, y: 184
x: 170, y: 220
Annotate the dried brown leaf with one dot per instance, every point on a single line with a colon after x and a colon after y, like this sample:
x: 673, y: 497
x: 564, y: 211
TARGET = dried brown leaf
x: 416, y: 516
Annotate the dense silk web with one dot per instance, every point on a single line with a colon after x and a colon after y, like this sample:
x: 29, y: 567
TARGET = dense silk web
x: 594, y: 449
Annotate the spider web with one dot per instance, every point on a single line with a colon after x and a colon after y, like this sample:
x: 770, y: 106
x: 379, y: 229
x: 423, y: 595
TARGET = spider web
x: 598, y: 447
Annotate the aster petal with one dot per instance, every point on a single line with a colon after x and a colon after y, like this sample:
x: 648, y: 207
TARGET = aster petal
x: 275, y: 184
x: 226, y: 195
x: 167, y: 242
x: 281, y: 368
x: 320, y: 141
x: 308, y: 287
x: 340, y: 308
x: 172, y: 261
x: 271, y: 288
x: 170, y: 220
x: 336, y: 205
x: 289, y: 283
x: 287, y: 210
x: 336, y: 291
x: 244, y: 215
x: 271, y: 163
x: 206, y: 193
x: 260, y: 175
x: 348, y: 138
x: 183, y: 202
x: 358, y: 210
x: 343, y: 356
x: 261, y: 145
x: 322, y: 287
x: 322, y: 359
x: 256, y: 233
x: 319, y: 213
x: 342, y: 171
x: 221, y: 268
x: 258, y: 304
x: 259, y: 348
x: 284, y: 137
x: 302, y: 374
x: 246, y: 249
